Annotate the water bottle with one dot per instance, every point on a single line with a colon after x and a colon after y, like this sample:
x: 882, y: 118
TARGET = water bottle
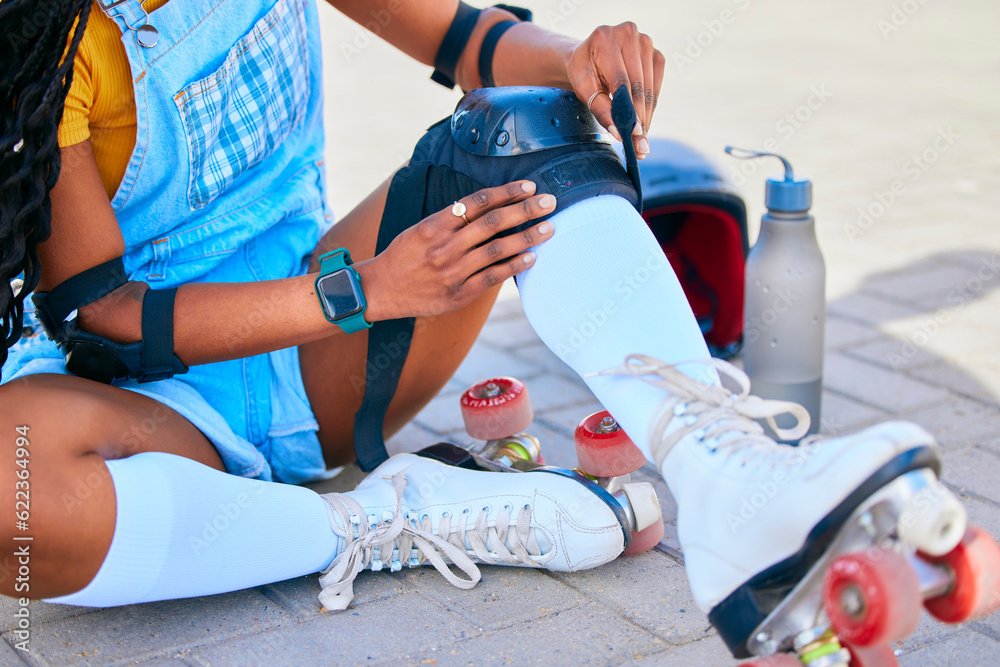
x: 785, y: 301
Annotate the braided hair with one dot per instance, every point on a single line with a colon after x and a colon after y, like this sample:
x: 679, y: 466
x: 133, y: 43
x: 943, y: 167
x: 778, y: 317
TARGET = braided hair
x: 36, y: 71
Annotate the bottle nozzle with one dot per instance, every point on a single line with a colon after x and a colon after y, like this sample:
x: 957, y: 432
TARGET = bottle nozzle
x: 746, y: 154
x: 780, y: 195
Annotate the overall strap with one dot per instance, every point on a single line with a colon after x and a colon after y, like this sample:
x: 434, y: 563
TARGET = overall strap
x: 130, y: 15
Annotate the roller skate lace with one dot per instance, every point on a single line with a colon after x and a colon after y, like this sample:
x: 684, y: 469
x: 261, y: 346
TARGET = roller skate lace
x: 716, y: 416
x: 399, y: 534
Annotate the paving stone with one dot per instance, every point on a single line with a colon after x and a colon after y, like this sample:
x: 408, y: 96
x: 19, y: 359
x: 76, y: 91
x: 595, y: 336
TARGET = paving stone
x: 650, y: 590
x: 975, y: 469
x: 565, y: 420
x: 542, y: 357
x: 841, y: 333
x: 176, y: 661
x: 876, y: 386
x: 966, y: 648
x: 840, y: 415
x: 485, y: 362
x: 442, y: 415
x: 958, y: 422
x: 413, y: 437
x: 552, y: 391
x: 709, y: 651
x: 894, y: 354
x: 300, y: 595
x: 975, y: 381
x: 12, y: 656
x: 588, y: 634
x: 41, y: 612
x: 134, y: 633
x: 869, y: 308
x: 504, y: 597
x: 395, y: 630
x: 918, y: 284
x: 509, y: 334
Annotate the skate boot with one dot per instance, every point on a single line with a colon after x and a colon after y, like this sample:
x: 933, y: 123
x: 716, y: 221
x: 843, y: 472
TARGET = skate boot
x: 417, y: 508
x: 824, y: 551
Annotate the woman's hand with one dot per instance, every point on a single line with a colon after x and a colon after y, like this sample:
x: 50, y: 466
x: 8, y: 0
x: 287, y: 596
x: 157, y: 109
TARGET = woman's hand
x: 444, y: 263
x: 612, y: 57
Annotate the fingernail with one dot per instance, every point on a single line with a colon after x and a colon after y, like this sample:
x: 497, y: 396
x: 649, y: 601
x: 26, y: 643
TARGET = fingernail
x: 644, y: 145
x: 529, y: 257
x: 528, y: 186
x: 547, y: 201
x: 637, y: 130
x: 614, y: 132
x: 545, y: 228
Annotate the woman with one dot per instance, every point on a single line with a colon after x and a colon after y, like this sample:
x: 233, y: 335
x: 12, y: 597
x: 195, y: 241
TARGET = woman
x: 218, y: 193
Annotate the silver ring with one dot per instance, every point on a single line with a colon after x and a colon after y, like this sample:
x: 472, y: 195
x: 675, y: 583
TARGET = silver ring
x: 594, y: 97
x: 458, y: 210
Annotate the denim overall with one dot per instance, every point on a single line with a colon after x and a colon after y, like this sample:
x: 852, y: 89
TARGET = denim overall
x: 225, y: 184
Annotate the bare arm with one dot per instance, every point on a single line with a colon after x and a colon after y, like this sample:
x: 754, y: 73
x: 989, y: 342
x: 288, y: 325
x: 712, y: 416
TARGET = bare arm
x: 529, y: 55
x: 437, y: 266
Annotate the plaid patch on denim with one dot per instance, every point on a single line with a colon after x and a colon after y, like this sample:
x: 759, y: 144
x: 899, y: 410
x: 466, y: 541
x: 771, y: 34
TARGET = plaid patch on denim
x: 238, y: 115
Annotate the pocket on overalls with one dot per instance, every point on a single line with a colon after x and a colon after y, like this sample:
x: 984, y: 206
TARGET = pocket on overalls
x: 237, y: 116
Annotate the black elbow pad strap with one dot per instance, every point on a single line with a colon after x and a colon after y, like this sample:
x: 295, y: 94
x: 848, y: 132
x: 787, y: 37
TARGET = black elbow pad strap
x: 157, y: 359
x: 453, y: 44
x: 84, y: 288
x: 103, y: 360
x: 493, y: 36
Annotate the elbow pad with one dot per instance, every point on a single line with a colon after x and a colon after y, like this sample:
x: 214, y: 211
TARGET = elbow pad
x: 101, y: 359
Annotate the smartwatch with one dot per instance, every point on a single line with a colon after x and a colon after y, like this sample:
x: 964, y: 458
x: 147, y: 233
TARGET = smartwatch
x: 339, y: 290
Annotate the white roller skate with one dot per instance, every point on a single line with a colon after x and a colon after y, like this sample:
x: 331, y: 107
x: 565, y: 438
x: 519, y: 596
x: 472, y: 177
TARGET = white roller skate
x: 440, y: 507
x: 821, y: 553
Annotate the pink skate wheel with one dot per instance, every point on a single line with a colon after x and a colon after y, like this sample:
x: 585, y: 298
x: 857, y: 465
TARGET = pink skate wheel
x: 496, y: 408
x: 872, y: 597
x: 880, y: 655
x: 975, y: 569
x: 777, y: 660
x: 603, y: 449
x: 645, y: 539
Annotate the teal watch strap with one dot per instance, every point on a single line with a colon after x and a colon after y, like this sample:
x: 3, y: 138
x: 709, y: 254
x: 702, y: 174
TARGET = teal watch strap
x: 346, y: 306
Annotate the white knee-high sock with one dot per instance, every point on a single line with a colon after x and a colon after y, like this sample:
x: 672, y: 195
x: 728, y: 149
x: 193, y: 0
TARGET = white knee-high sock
x: 602, y: 289
x: 184, y: 530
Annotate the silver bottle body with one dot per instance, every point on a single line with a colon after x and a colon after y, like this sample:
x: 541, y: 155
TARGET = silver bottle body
x: 785, y: 313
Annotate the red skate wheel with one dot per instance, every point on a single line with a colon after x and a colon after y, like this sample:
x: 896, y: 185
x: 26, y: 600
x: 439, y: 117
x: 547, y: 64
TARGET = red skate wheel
x: 777, y: 660
x: 496, y: 408
x: 645, y: 539
x: 872, y: 597
x: 603, y: 449
x: 975, y: 569
x: 880, y: 655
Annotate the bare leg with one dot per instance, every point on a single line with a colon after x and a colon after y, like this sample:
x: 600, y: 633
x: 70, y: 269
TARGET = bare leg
x: 333, y: 370
x: 74, y: 425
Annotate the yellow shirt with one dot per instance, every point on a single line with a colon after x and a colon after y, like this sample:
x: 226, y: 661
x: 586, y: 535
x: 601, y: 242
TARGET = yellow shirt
x: 100, y: 105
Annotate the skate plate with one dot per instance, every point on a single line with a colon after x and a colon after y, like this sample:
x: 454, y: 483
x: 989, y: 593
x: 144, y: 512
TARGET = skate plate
x: 902, y: 523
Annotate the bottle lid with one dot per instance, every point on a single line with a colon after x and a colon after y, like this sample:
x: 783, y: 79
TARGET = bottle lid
x: 787, y: 194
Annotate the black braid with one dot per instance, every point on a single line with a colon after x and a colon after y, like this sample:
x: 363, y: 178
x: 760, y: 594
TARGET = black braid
x: 34, y: 79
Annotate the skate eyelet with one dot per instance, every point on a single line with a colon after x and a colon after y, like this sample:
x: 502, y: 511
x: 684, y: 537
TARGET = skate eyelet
x: 466, y: 511
x: 488, y: 509
x: 445, y: 514
x: 508, y: 507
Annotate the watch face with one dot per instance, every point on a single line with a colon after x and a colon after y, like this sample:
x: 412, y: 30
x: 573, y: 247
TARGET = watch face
x: 341, y: 296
